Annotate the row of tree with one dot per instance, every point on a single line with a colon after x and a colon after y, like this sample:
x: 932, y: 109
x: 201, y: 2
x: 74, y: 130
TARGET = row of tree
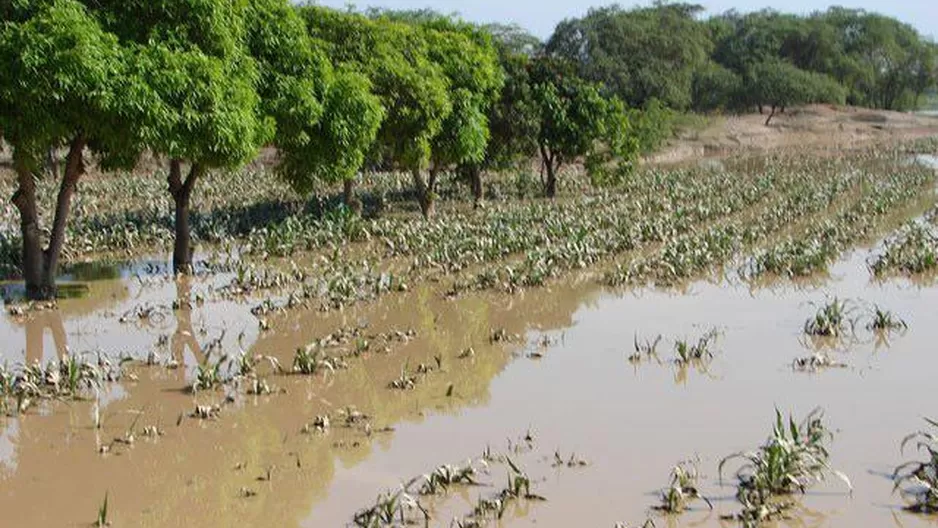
x: 205, y: 84
x: 733, y: 61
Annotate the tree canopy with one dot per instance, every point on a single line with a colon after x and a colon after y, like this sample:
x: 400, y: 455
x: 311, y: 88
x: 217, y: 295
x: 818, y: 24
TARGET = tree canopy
x: 66, y: 82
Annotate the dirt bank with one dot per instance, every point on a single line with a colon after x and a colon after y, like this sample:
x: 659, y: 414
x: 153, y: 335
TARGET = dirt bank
x: 816, y: 126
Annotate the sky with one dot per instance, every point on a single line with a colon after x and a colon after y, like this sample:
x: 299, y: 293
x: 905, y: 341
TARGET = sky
x: 541, y: 16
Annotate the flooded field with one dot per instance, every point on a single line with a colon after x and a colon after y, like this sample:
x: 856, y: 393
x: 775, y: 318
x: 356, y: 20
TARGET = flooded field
x: 569, y: 383
x: 293, y: 413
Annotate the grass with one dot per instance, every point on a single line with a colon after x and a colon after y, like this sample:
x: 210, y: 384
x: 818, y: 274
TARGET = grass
x: 917, y: 481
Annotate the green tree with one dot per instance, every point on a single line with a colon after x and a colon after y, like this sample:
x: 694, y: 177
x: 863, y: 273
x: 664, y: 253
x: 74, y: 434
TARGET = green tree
x: 575, y: 121
x: 779, y: 84
x: 469, y: 61
x: 513, y: 117
x: 326, y: 120
x: 66, y: 81
x: 716, y: 88
x: 412, y: 88
x: 639, y: 54
x: 193, y: 54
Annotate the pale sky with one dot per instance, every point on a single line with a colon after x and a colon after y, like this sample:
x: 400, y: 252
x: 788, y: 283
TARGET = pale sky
x: 540, y: 16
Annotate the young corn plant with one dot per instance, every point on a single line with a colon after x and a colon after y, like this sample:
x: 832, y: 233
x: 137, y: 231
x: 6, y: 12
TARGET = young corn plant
x: 310, y: 360
x: 884, y: 321
x: 695, y: 352
x: 441, y: 478
x: 102, y: 521
x: 392, y: 509
x: 208, y: 375
x: 793, y: 459
x: 647, y: 348
x: 917, y: 481
x: 831, y: 320
x: 683, y: 489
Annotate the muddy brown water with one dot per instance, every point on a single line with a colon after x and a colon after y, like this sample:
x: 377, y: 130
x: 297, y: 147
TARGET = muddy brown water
x: 630, y: 422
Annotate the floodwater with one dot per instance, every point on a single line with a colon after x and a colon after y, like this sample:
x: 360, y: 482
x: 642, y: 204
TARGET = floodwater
x: 567, y: 382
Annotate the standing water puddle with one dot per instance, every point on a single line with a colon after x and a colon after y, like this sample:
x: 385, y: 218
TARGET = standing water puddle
x: 580, y: 395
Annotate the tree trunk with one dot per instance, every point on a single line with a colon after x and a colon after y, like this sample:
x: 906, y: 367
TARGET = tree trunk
x: 473, y: 173
x: 348, y: 196
x: 551, y: 188
x: 771, y: 115
x: 348, y: 191
x: 74, y: 169
x: 25, y: 201
x: 182, y: 193
x: 549, y: 162
x: 425, y: 191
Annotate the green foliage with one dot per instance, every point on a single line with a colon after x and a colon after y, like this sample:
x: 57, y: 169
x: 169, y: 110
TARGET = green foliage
x: 780, y: 84
x: 880, y: 62
x: 337, y: 148
x: 716, y: 88
x: 651, y: 126
x: 513, y: 118
x: 469, y: 60
x: 575, y: 120
x: 326, y: 121
x: 395, y: 57
x: 639, y: 54
x: 794, y: 458
x: 65, y: 76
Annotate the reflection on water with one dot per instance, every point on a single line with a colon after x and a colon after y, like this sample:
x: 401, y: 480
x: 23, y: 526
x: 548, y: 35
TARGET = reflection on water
x: 184, y: 336
x: 36, y: 327
x: 927, y: 159
x: 9, y: 433
x: 632, y: 422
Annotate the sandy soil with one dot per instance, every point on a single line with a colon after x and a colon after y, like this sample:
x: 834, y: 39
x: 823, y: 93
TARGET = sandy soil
x: 817, y: 126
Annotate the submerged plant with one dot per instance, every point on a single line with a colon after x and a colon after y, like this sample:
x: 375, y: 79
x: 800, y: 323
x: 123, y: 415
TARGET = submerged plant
x: 102, y: 514
x: 831, y: 320
x: 208, y: 375
x: 310, y: 360
x: 391, y: 509
x: 911, y: 251
x: 917, y: 481
x: 646, y: 348
x: 885, y: 321
x: 682, y: 490
x: 793, y: 459
x: 441, y: 478
x: 692, y: 352
x: 816, y: 362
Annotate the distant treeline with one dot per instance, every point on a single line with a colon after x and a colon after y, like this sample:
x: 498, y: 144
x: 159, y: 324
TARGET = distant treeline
x: 734, y: 61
